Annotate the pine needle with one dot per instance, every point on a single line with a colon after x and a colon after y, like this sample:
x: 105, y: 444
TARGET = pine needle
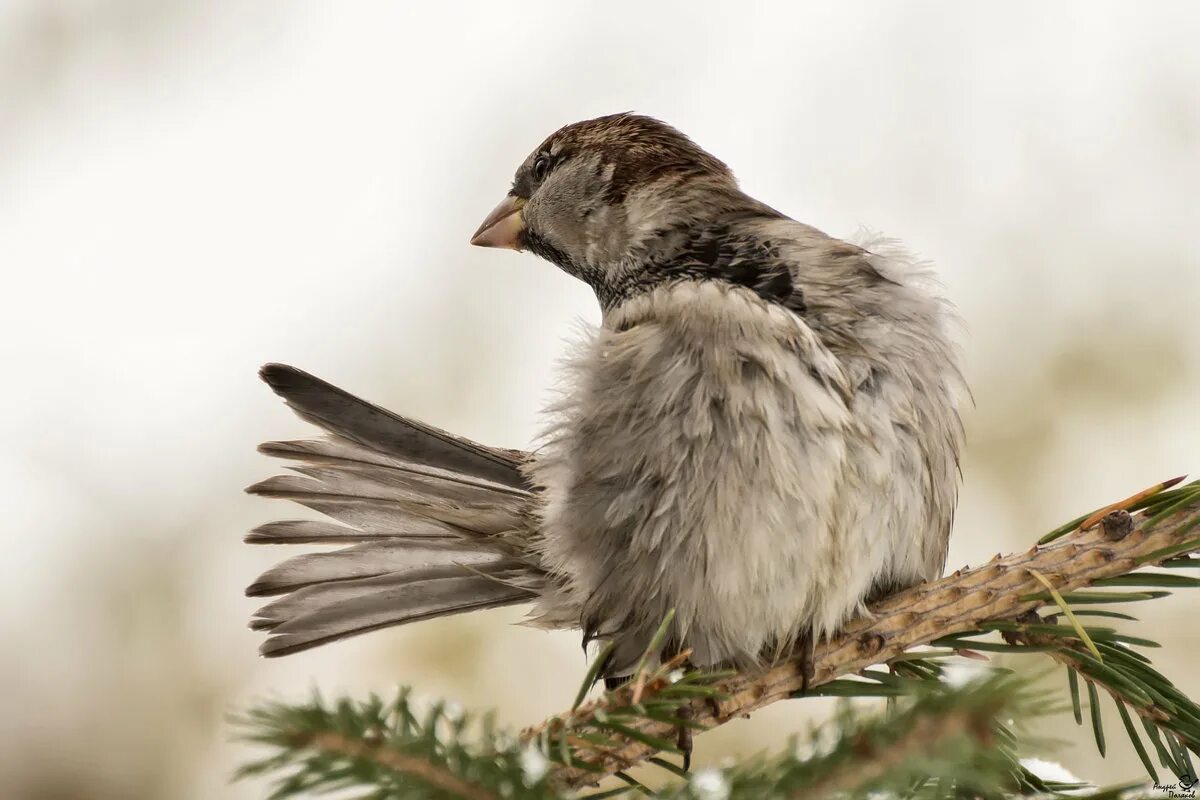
x: 651, y: 651
x: 1137, y: 741
x: 1073, y: 685
x: 1094, y: 709
x: 593, y: 673
x: 1125, y: 504
x: 1066, y: 609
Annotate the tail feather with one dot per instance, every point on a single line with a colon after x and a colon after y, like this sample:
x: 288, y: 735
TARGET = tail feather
x: 376, y: 518
x: 436, y: 524
x: 366, y: 561
x: 331, y: 450
x: 347, y: 416
x: 305, y: 531
x: 365, y: 480
x: 311, y: 599
x: 370, y: 611
x: 344, y: 496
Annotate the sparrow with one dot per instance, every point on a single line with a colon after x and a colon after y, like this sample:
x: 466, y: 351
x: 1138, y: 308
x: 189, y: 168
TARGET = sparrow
x: 762, y: 435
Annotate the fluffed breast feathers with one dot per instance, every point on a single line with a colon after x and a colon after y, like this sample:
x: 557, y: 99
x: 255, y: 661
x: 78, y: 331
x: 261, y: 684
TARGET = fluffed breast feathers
x: 700, y: 422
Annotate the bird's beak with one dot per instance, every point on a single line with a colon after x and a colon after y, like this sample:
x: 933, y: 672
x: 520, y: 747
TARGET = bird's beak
x: 503, y: 226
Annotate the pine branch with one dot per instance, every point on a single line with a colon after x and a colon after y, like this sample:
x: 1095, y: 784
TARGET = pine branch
x: 422, y: 769
x: 393, y: 749
x: 944, y: 743
x: 957, y: 724
x: 613, y: 733
x: 1133, y: 685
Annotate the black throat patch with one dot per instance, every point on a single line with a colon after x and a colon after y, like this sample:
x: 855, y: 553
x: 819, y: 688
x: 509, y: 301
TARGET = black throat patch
x: 714, y: 253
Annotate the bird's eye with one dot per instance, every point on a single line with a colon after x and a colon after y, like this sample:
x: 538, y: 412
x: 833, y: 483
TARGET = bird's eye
x: 541, y: 166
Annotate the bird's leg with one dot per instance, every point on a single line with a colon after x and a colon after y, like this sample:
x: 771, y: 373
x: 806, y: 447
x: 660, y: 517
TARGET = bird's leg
x: 891, y: 700
x: 804, y: 652
x: 683, y: 740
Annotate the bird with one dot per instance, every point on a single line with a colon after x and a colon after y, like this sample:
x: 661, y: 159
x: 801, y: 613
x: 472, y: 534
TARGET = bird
x: 759, y: 438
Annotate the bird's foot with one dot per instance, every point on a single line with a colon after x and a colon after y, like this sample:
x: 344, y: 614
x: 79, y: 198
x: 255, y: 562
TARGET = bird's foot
x: 616, y: 682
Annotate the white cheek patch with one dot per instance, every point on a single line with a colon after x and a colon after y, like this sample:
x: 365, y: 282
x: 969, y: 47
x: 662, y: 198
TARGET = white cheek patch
x: 647, y: 210
x: 605, y: 235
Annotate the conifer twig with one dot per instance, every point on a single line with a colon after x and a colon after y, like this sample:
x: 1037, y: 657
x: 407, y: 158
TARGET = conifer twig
x: 924, y: 736
x: 417, y: 766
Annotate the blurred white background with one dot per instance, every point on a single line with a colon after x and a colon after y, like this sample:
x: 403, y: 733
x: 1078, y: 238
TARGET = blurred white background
x: 189, y: 189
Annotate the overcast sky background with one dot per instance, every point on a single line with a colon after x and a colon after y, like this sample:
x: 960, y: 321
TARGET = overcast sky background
x: 189, y: 189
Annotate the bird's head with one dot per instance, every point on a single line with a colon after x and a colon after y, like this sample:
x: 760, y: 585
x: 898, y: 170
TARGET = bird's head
x: 604, y: 198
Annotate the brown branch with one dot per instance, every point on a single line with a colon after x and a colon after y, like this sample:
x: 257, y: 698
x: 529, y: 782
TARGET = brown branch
x: 1002, y: 589
x: 400, y: 762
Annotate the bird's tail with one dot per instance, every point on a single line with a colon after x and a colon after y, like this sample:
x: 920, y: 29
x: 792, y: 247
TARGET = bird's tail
x: 428, y: 524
